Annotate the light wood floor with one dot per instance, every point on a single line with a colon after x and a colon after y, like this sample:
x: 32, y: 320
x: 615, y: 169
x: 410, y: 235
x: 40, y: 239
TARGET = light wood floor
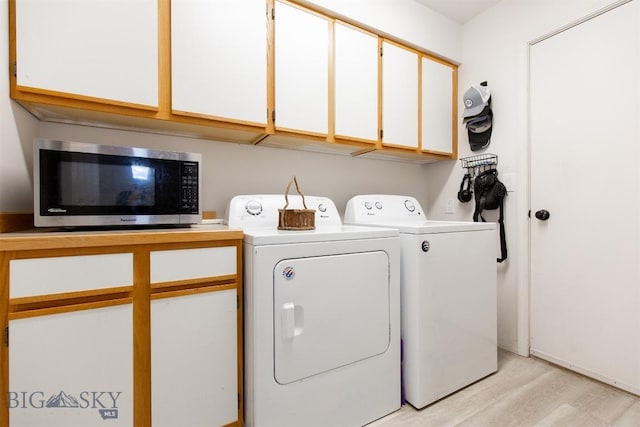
x: 525, y: 392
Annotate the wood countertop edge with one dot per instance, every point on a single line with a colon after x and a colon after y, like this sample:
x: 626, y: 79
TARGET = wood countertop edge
x: 81, y: 239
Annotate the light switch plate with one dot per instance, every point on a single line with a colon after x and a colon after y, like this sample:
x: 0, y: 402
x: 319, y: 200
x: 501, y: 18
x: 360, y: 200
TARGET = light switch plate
x: 509, y: 181
x: 449, y: 206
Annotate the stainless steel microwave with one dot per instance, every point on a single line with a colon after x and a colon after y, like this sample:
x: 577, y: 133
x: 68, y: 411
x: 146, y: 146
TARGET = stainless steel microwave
x: 84, y: 185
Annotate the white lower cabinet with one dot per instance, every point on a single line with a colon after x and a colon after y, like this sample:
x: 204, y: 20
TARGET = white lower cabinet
x: 72, y: 369
x: 140, y: 329
x: 194, y: 363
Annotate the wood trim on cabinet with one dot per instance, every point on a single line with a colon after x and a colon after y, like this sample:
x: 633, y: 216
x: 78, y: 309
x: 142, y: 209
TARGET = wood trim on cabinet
x: 454, y: 113
x: 15, y: 221
x: 5, y: 257
x: 271, y: 61
x: 331, y: 82
x: 141, y: 338
x: 380, y: 97
x: 209, y: 214
x: 178, y: 292
x: 240, y: 329
x: 58, y: 242
x: 419, y: 103
x: 45, y: 311
x: 68, y: 299
x: 44, y: 95
x: 12, y: 60
x: 65, y: 252
x: 164, y: 55
x: 204, y: 282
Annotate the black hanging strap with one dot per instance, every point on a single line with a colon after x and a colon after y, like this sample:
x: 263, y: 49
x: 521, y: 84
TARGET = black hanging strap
x: 503, y: 239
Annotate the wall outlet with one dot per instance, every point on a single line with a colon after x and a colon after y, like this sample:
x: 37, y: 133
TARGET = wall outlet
x: 449, y: 206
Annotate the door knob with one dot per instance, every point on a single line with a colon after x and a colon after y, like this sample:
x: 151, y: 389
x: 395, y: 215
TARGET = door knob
x: 543, y: 215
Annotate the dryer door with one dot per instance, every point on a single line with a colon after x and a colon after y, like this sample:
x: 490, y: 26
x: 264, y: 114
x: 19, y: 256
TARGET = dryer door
x: 329, y: 311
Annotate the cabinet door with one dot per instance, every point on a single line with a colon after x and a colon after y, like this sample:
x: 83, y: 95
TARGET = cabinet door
x: 72, y: 369
x: 399, y: 96
x: 437, y: 106
x: 219, y: 58
x: 301, y: 70
x: 194, y: 359
x: 356, y: 83
x: 104, y: 49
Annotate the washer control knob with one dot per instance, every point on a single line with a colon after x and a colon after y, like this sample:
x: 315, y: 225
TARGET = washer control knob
x: 378, y: 205
x: 409, y: 205
x: 253, y: 207
x: 367, y: 205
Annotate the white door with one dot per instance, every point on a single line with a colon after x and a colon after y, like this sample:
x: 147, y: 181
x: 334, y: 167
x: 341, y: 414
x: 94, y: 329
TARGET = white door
x: 329, y: 311
x: 585, y: 287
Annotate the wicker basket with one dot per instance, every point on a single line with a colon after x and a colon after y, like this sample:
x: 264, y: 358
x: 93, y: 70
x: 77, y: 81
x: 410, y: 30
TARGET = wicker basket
x: 295, y: 219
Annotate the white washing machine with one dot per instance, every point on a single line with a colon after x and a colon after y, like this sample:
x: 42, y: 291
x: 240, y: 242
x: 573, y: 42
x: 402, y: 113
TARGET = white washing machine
x: 448, y: 295
x: 321, y: 317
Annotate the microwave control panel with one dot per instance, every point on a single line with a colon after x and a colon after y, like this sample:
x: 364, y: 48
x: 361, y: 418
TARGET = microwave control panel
x: 189, y: 188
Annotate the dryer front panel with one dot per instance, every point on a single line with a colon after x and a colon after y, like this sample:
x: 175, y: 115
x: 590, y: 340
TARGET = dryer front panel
x: 329, y: 311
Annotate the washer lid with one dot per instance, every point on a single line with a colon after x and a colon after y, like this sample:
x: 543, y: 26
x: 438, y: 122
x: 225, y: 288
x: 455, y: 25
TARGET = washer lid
x: 273, y: 236
x: 403, y: 213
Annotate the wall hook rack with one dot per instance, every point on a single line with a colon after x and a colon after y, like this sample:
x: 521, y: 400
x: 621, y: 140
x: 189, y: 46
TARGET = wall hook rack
x: 479, y: 163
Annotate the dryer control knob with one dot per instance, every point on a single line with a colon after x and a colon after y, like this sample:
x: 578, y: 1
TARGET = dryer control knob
x: 253, y: 207
x: 409, y: 205
x: 378, y: 205
x: 367, y: 205
x: 322, y: 207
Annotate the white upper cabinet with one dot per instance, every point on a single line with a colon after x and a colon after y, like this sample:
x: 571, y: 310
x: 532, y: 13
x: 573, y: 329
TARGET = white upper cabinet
x: 399, y: 96
x: 219, y: 59
x: 301, y: 70
x: 356, y: 83
x: 437, y: 106
x: 105, y: 49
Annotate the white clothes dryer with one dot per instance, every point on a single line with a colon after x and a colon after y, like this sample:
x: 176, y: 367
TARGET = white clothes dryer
x: 321, y: 317
x: 448, y: 295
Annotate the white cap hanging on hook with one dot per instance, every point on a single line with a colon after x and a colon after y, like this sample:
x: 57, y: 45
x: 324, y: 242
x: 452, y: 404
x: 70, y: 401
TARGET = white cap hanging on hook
x: 476, y: 98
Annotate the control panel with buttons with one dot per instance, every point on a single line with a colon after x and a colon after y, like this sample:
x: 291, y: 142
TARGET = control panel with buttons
x: 189, y: 188
x: 374, y: 208
x: 262, y: 210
